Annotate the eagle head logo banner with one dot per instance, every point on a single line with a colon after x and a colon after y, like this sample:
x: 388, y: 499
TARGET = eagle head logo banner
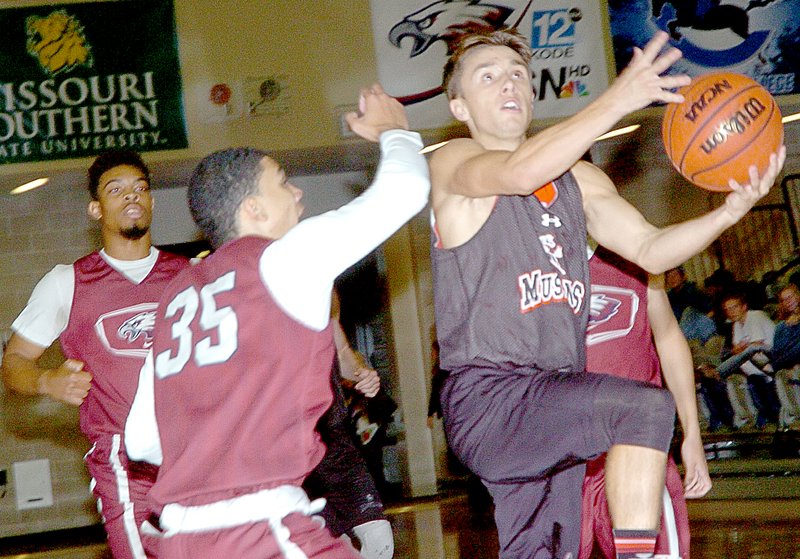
x: 413, y: 39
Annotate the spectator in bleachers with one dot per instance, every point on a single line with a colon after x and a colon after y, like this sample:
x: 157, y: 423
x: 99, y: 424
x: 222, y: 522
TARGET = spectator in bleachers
x: 706, y: 346
x: 683, y: 293
x: 751, y: 390
x: 785, y: 356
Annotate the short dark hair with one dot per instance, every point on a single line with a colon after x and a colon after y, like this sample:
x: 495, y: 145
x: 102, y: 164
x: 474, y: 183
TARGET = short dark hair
x: 505, y: 37
x: 735, y: 295
x: 219, y: 185
x: 110, y: 159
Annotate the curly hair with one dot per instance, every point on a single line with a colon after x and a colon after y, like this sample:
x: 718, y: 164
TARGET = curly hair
x: 110, y: 159
x: 219, y: 185
x: 505, y: 37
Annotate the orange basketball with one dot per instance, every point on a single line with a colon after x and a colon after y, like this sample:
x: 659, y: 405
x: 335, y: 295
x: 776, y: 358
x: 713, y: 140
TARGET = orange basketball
x: 726, y: 123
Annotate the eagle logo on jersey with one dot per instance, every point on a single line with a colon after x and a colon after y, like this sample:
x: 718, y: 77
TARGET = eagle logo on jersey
x: 127, y: 332
x: 602, y: 308
x: 141, y: 324
x: 612, y: 313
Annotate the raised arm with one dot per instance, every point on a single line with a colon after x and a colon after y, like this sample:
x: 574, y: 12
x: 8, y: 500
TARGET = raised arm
x: 678, y: 370
x: 465, y: 168
x: 299, y: 268
x: 617, y: 225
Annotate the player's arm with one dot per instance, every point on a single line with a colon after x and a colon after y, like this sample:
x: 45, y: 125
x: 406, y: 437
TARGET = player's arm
x: 618, y: 226
x: 38, y: 325
x: 299, y: 268
x: 352, y: 364
x: 477, y: 173
x: 678, y: 370
x: 142, y: 440
x: 68, y: 383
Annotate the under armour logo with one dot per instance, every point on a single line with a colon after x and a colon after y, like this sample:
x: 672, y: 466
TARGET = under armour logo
x: 548, y: 220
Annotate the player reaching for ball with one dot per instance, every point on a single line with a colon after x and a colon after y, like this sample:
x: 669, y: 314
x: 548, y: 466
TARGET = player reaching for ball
x: 511, y: 298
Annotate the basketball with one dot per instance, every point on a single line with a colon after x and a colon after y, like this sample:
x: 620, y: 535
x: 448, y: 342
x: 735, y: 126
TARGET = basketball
x: 726, y: 123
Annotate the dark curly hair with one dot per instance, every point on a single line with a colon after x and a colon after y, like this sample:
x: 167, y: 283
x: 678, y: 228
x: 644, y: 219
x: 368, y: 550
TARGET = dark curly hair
x: 219, y: 185
x: 111, y: 159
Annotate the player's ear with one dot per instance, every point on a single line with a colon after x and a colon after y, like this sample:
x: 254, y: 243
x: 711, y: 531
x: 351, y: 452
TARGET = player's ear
x: 253, y: 209
x: 94, y: 210
x: 459, y: 109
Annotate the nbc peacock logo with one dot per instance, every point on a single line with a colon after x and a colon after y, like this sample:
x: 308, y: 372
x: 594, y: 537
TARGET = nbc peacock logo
x: 58, y: 42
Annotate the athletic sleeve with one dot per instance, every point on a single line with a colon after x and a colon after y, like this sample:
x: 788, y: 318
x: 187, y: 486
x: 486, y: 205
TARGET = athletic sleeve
x: 299, y: 268
x: 142, y: 440
x: 46, y: 315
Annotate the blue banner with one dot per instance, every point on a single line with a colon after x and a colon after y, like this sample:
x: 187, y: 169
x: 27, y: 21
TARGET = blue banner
x: 758, y: 38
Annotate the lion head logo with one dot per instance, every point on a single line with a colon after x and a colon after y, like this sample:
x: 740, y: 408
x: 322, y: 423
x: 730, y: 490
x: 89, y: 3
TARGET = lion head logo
x: 58, y: 42
x: 138, y: 325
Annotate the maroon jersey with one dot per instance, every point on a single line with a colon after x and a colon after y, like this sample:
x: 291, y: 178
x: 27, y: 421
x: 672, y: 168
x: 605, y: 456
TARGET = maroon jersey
x: 618, y: 322
x: 110, y: 330
x: 239, y: 382
x: 620, y: 342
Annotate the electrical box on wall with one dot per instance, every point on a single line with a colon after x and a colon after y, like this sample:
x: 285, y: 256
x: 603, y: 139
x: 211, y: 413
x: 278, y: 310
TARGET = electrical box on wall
x: 32, y: 484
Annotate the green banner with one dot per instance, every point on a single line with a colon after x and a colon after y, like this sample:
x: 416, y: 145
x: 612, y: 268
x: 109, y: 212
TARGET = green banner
x: 80, y: 79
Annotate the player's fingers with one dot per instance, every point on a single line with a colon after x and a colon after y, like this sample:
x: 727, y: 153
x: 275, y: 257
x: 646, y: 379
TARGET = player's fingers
x: 377, y: 88
x: 663, y: 62
x: 654, y: 45
x: 674, y: 82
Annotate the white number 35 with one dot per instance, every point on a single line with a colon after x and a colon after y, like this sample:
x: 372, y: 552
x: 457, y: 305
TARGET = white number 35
x: 222, y: 320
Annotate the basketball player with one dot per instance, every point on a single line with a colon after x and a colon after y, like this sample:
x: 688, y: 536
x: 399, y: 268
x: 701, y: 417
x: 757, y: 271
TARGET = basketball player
x: 353, y: 506
x: 633, y: 332
x: 239, y: 372
x: 510, y: 286
x: 102, y: 309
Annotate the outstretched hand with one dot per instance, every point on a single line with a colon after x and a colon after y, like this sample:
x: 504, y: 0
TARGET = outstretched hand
x: 69, y: 383
x: 641, y: 82
x: 696, y: 480
x: 377, y: 113
x: 743, y: 197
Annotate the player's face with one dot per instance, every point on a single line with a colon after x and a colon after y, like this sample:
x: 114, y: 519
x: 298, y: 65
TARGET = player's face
x: 279, y: 199
x: 789, y: 299
x: 124, y: 204
x: 734, y: 309
x: 496, y: 95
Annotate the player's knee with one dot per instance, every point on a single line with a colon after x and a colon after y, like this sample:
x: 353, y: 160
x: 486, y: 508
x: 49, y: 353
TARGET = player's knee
x: 377, y: 541
x: 659, y: 406
x: 645, y: 418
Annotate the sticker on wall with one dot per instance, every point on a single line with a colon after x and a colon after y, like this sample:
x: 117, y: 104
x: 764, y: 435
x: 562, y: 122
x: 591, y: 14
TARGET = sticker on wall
x: 220, y: 100
x: 266, y: 95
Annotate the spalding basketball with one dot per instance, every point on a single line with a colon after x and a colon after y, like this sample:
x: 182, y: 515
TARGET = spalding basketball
x: 726, y: 123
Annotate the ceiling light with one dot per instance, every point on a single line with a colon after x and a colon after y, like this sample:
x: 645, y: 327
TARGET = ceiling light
x: 30, y: 185
x: 790, y: 118
x: 432, y: 147
x: 618, y: 132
